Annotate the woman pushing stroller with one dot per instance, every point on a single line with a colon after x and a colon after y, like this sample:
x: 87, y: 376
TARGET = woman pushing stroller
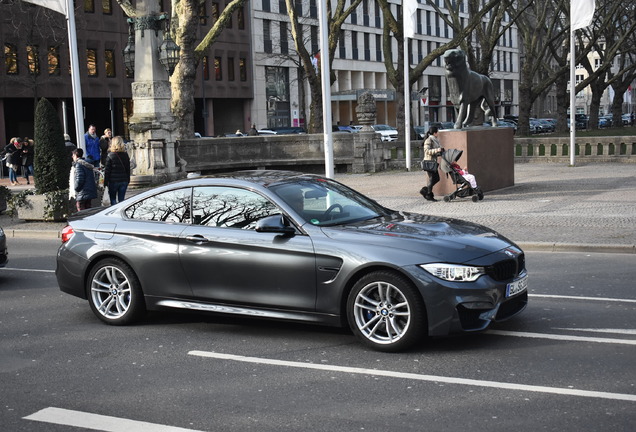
x: 432, y: 150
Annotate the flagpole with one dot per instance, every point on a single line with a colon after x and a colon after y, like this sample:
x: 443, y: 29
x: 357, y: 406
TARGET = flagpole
x: 572, y: 95
x: 407, y: 106
x: 75, y: 77
x: 326, y: 88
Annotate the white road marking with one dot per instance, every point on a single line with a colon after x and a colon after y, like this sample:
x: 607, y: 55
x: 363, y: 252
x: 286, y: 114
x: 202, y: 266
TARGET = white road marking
x: 26, y: 270
x: 592, y: 330
x: 98, y: 422
x: 561, y: 337
x: 419, y: 377
x: 604, y: 299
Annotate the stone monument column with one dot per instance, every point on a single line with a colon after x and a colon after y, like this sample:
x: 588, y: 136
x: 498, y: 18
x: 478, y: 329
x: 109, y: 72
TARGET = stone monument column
x: 152, y: 126
x: 367, y: 146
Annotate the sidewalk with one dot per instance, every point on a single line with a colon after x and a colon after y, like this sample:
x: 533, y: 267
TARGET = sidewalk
x: 551, y: 207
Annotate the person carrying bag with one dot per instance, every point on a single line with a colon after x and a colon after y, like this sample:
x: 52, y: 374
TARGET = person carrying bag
x: 432, y: 150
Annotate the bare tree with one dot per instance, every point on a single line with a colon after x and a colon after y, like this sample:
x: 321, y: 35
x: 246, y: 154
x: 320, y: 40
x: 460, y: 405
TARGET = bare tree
x: 393, y: 29
x: 335, y: 19
x: 184, y: 27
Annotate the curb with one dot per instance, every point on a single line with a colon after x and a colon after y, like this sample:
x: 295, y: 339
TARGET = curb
x: 526, y: 246
x: 20, y: 233
x: 577, y: 247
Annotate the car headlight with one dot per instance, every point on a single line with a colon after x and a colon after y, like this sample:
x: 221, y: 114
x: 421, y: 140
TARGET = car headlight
x: 454, y: 272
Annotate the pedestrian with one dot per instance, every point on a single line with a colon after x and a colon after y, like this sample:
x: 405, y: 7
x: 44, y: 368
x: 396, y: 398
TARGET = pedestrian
x: 432, y: 150
x: 93, y: 152
x: 13, y: 159
x: 252, y: 131
x: 28, y: 151
x: 104, y: 145
x: 117, y: 170
x: 68, y: 144
x: 84, y: 181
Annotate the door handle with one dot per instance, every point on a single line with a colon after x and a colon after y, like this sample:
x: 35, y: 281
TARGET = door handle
x: 197, y: 238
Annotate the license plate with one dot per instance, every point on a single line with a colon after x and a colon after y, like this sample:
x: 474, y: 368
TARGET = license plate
x: 516, y: 287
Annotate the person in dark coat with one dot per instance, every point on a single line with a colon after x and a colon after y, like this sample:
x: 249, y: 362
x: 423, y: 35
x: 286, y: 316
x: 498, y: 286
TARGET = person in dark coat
x: 85, y: 186
x: 28, y: 152
x: 117, y: 170
x: 104, y: 145
x: 93, y: 152
x: 13, y: 152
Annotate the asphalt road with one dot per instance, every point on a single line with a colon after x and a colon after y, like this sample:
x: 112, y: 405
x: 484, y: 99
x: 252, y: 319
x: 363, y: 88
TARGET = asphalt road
x: 566, y: 364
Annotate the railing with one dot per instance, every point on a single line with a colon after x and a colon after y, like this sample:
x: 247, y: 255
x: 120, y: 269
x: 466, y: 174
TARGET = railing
x: 618, y: 149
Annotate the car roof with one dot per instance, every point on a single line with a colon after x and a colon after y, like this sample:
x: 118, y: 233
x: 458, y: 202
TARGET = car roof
x: 263, y: 178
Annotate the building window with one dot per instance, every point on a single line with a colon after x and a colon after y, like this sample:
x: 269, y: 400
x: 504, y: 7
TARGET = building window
x: 354, y: 45
x: 267, y: 36
x: 341, y: 45
x: 282, y: 7
x: 91, y: 62
x: 266, y: 6
x: 89, y: 6
x: 107, y: 7
x: 203, y: 14
x: 314, y: 39
x: 367, y: 49
x: 240, y: 17
x: 53, y: 60
x: 229, y: 21
x: 365, y: 13
x: 206, y: 68
x: 215, y: 12
x: 313, y: 9
x: 298, y: 5
x: 230, y: 68
x: 243, y: 69
x: 33, y: 59
x: 11, y: 59
x: 284, y: 45
x: 218, y: 72
x: 109, y: 59
x: 378, y: 48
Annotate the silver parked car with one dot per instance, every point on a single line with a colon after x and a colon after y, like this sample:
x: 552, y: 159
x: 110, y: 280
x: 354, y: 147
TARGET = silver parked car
x: 291, y: 246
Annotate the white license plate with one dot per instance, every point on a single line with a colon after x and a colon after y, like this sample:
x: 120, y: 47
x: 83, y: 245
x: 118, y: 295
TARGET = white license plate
x: 516, y: 287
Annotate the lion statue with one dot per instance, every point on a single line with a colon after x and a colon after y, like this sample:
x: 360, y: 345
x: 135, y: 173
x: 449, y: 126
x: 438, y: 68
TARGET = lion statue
x: 468, y: 89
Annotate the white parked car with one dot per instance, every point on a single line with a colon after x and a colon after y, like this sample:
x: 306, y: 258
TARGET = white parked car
x: 387, y: 133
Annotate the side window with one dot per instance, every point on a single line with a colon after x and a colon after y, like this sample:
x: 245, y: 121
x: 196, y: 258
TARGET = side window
x: 172, y: 206
x: 229, y: 207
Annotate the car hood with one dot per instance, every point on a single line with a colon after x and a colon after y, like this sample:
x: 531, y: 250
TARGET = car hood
x: 443, y: 239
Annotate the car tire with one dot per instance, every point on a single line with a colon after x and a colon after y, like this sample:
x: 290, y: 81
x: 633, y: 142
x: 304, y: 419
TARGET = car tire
x: 386, y: 313
x: 114, y: 292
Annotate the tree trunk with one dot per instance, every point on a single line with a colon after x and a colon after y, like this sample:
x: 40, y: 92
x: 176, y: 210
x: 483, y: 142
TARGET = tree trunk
x: 184, y: 76
x: 562, y: 103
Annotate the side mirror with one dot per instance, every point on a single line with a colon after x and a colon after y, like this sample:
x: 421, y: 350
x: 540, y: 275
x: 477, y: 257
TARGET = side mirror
x: 275, y: 224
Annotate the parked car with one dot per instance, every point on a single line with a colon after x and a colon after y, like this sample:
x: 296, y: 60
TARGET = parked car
x: 290, y: 246
x: 605, y: 121
x: 284, y: 130
x: 338, y: 128
x: 387, y: 133
x: 4, y: 254
x: 546, y: 125
x: 627, y: 119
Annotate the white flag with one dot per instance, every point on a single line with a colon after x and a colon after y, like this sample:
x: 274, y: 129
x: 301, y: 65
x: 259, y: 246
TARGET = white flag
x: 56, y: 5
x: 581, y: 13
x: 409, y: 15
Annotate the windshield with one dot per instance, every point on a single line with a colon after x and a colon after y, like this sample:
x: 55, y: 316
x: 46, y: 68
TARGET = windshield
x: 324, y: 202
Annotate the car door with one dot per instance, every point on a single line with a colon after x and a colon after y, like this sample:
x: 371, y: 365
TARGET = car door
x: 227, y: 261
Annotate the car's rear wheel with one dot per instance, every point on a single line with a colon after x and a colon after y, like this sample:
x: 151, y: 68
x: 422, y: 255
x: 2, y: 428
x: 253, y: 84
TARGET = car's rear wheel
x: 386, y: 312
x: 114, y: 292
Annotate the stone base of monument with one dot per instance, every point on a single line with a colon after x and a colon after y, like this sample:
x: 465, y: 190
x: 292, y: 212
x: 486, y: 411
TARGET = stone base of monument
x: 488, y: 153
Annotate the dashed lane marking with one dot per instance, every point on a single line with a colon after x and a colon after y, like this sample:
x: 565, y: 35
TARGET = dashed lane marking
x: 603, y: 299
x: 98, y: 422
x: 419, y: 377
x: 561, y: 337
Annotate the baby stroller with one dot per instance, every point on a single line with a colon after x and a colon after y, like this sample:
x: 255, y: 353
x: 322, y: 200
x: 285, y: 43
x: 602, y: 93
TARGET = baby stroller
x: 464, y: 189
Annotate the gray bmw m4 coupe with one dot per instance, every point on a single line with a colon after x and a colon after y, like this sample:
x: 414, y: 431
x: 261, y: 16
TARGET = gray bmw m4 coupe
x: 290, y: 246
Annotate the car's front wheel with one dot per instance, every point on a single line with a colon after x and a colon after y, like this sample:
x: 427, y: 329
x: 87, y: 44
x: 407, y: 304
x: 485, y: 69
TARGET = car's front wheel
x: 114, y: 292
x: 386, y: 312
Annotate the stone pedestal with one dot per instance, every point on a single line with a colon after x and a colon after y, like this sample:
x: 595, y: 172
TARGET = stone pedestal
x: 152, y: 126
x: 488, y: 153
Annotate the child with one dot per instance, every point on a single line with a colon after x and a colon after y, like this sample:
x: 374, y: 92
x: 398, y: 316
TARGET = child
x: 464, y: 173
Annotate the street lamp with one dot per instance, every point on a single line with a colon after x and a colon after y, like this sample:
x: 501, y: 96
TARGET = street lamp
x: 169, y: 53
x: 129, y: 51
x: 168, y: 50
